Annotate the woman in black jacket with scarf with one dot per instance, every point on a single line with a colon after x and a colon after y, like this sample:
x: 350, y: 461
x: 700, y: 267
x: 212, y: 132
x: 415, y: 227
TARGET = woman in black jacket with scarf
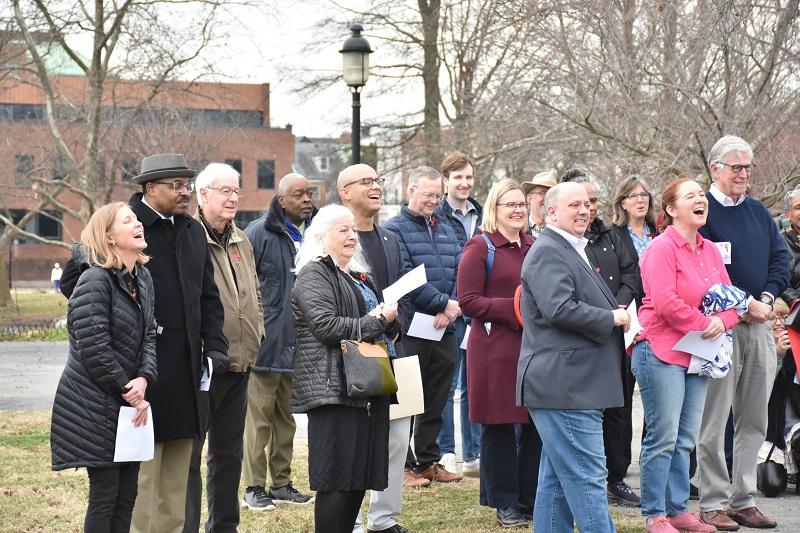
x: 111, y: 362
x: 348, y: 438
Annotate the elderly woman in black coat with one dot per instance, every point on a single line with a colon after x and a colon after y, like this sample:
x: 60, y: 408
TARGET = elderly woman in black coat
x: 111, y: 362
x: 334, y: 299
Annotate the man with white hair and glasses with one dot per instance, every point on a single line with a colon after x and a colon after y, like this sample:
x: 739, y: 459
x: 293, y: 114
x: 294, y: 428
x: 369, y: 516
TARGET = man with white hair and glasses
x: 757, y: 262
x: 225, y: 404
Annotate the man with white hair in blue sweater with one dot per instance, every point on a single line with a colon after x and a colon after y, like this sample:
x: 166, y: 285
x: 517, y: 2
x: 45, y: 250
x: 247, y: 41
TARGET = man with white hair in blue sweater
x: 757, y: 262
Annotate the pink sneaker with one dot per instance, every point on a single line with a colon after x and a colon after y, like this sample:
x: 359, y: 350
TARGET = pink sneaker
x: 659, y: 524
x: 690, y: 523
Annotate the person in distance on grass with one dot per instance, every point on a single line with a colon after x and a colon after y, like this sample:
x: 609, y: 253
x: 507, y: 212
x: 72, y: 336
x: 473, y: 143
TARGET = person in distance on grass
x: 111, y: 362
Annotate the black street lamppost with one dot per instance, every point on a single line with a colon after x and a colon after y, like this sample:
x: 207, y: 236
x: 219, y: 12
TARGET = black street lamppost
x: 355, y: 71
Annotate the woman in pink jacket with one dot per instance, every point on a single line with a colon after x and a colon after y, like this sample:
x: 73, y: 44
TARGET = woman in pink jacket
x: 677, y: 268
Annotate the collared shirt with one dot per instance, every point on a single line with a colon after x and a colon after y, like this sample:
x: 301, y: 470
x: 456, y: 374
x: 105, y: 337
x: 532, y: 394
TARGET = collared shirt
x: 170, y: 218
x: 675, y: 279
x: 641, y: 243
x: 722, y: 198
x: 468, y: 219
x: 579, y: 243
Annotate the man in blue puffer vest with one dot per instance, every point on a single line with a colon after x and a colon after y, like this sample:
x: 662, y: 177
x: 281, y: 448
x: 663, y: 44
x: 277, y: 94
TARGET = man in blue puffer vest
x: 425, y: 241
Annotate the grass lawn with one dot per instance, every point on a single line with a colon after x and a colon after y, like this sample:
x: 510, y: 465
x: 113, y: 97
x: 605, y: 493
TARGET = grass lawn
x: 35, y: 499
x: 34, y: 306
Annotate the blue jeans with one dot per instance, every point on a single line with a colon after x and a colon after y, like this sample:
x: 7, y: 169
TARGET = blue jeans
x: 673, y: 409
x: 470, y: 433
x: 572, y: 473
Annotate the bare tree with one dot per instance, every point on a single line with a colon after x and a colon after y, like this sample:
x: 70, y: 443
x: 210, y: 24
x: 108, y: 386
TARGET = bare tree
x: 91, y: 123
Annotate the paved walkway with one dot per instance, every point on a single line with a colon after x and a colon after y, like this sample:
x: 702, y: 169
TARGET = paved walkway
x: 29, y: 373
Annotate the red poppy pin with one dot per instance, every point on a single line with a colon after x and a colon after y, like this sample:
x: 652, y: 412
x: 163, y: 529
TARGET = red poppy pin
x: 363, y: 277
x: 236, y: 255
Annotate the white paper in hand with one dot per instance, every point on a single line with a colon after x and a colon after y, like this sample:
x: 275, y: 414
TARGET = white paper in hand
x: 422, y: 327
x: 205, y: 379
x: 466, y: 338
x: 410, y: 396
x: 412, y: 280
x: 695, y: 344
x: 133, y: 444
x: 635, y: 327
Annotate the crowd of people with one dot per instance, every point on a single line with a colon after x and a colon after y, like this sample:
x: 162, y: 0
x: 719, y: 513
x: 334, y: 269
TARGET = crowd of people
x: 217, y: 336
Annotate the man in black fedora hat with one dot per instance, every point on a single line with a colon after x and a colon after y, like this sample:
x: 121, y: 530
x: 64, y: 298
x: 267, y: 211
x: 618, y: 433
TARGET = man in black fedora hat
x: 189, y: 338
x: 189, y: 332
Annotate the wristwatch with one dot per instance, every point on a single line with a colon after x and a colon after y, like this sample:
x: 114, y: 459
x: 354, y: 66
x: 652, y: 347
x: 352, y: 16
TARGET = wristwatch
x: 767, y: 298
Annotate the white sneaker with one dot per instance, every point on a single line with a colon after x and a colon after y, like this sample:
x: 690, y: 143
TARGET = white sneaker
x: 471, y: 468
x: 448, y: 461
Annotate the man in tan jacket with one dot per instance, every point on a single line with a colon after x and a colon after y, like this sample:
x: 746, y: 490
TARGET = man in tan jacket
x: 235, y: 275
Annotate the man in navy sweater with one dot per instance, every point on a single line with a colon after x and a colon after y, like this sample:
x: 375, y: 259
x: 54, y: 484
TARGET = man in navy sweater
x: 758, y: 263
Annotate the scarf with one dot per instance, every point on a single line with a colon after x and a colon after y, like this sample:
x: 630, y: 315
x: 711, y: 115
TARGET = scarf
x: 719, y: 298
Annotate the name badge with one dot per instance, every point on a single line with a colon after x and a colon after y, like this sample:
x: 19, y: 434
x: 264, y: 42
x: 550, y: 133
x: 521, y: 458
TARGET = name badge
x: 725, y: 251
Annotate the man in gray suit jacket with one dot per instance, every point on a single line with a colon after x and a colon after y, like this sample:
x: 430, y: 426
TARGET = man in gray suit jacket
x: 570, y: 366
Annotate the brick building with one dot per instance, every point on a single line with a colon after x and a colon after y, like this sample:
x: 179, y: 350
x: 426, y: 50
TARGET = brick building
x: 207, y: 122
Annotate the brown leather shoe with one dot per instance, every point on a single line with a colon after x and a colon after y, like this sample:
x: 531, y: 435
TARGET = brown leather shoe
x: 412, y: 481
x: 436, y: 472
x: 719, y: 520
x: 752, y: 517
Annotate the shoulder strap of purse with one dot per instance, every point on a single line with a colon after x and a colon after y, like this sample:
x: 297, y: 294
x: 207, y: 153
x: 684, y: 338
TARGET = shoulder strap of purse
x: 489, y: 254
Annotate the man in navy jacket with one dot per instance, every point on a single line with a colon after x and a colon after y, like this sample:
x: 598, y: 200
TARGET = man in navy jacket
x: 758, y: 263
x: 423, y: 240
x: 464, y: 214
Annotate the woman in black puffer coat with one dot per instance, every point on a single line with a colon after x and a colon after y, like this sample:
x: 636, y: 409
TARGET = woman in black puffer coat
x: 111, y: 362
x: 348, y: 438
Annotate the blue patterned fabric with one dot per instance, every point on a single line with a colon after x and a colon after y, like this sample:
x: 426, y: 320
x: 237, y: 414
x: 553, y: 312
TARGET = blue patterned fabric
x: 641, y: 243
x: 719, y: 298
x: 370, y: 303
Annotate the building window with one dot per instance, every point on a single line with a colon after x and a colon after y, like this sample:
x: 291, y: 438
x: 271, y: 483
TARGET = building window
x: 23, y: 166
x: 59, y: 169
x: 235, y: 163
x: 243, y: 218
x: 266, y: 174
x: 46, y: 224
x: 130, y: 169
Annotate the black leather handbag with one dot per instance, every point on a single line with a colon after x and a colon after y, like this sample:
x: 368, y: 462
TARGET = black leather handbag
x: 771, y: 477
x: 367, y: 368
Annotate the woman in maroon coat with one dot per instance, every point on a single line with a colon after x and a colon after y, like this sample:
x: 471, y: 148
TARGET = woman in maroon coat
x: 486, y: 285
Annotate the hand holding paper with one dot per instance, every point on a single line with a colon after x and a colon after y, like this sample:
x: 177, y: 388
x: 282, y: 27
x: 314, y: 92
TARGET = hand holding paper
x: 694, y: 343
x: 422, y: 327
x: 412, y: 279
x: 635, y: 328
x: 133, y: 443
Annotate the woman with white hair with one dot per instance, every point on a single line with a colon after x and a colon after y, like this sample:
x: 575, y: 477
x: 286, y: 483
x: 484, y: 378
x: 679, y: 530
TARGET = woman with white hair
x: 334, y: 299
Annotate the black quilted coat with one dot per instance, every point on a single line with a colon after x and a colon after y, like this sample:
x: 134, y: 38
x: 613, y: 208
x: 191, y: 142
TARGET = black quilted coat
x: 326, y: 311
x: 111, y: 341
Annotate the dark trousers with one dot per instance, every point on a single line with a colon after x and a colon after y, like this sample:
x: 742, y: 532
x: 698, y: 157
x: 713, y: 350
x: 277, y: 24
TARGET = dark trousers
x: 437, y: 364
x: 223, y: 418
x: 509, y: 468
x: 618, y: 432
x: 112, y: 493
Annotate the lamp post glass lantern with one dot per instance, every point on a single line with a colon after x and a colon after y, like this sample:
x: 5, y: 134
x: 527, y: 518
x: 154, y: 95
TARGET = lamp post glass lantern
x: 355, y: 72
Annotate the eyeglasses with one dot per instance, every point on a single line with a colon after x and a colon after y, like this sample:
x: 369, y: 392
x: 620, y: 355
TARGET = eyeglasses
x: 367, y: 182
x: 736, y: 169
x: 638, y: 196
x: 227, y: 191
x: 515, y: 205
x: 178, y: 185
x: 431, y: 196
